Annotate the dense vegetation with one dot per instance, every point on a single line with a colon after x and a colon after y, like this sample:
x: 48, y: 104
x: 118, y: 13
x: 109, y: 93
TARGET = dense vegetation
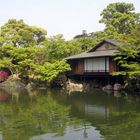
x: 124, y: 24
x: 26, y: 52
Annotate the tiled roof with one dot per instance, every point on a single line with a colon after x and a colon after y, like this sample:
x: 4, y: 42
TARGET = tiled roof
x: 93, y: 54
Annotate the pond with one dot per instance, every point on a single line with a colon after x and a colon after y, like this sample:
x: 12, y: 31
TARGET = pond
x: 57, y: 115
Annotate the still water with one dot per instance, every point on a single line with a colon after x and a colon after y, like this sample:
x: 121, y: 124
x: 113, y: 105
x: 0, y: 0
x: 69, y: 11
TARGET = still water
x: 57, y: 115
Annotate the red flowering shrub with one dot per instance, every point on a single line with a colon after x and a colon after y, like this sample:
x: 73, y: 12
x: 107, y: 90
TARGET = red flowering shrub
x: 3, y: 76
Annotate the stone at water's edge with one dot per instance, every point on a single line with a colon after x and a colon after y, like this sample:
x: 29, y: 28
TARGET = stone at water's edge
x: 71, y: 87
x: 117, y: 86
x: 108, y: 87
x: 30, y: 86
x: 12, y: 83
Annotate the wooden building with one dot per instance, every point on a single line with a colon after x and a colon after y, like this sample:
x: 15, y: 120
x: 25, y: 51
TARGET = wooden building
x: 97, y: 62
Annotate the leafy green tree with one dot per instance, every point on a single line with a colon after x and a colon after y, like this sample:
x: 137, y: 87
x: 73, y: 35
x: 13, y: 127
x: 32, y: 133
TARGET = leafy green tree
x: 128, y: 58
x: 32, y: 63
x: 19, y: 34
x: 23, y: 52
x: 49, y: 71
x: 83, y: 43
x: 120, y: 17
x: 129, y: 53
x: 20, y: 61
x: 58, y: 48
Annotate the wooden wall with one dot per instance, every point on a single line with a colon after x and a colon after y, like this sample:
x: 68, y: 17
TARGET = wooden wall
x: 77, y: 66
x: 112, y: 66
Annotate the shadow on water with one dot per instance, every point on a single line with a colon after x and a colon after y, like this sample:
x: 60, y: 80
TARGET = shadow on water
x: 56, y: 115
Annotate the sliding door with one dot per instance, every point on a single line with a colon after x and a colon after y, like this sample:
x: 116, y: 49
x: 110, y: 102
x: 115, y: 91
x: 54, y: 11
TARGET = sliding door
x: 97, y: 65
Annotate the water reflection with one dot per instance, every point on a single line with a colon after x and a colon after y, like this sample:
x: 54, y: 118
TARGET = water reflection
x: 1, y: 136
x: 117, y: 94
x: 3, y: 95
x: 55, y: 115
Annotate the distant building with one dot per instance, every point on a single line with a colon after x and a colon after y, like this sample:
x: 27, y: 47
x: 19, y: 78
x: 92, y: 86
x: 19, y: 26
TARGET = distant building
x: 93, y: 35
x: 84, y: 34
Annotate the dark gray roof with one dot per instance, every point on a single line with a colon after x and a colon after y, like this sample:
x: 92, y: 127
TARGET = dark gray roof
x: 93, y: 54
x: 111, y: 41
x: 114, y: 42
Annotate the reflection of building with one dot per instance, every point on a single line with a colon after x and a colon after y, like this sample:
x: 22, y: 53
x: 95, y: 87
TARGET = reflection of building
x: 96, y: 111
x: 91, y: 110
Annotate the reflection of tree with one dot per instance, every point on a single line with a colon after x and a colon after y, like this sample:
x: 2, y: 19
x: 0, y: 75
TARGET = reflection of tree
x: 3, y: 95
x: 53, y: 114
x: 44, y: 115
x: 122, y: 127
x: 123, y: 114
x: 85, y: 134
x: 22, y: 120
x: 124, y: 120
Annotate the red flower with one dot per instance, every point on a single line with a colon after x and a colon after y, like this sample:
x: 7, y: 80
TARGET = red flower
x: 3, y: 75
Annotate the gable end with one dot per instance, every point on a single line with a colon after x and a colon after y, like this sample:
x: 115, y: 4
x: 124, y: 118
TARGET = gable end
x: 107, y: 44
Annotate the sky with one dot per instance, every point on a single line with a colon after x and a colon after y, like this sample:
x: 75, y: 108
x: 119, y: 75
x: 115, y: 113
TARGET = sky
x: 67, y: 17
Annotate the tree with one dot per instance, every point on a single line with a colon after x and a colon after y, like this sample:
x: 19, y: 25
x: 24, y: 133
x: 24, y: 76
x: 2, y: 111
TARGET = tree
x: 83, y: 43
x: 129, y: 59
x: 19, y: 34
x: 120, y: 17
x: 31, y: 63
x: 49, y: 71
x: 23, y: 52
x: 58, y: 48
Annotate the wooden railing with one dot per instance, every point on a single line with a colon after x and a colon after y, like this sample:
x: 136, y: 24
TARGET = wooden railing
x: 95, y: 71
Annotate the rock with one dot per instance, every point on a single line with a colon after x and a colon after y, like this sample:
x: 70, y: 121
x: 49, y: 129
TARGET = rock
x: 30, y: 85
x: 117, y: 87
x: 71, y: 87
x: 108, y: 87
x: 16, y: 83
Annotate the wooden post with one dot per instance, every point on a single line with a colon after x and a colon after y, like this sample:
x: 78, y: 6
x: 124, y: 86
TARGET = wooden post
x: 108, y: 79
x: 105, y: 65
x: 116, y: 79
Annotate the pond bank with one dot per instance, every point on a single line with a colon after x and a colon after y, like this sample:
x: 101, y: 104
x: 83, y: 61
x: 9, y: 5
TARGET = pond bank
x: 69, y: 86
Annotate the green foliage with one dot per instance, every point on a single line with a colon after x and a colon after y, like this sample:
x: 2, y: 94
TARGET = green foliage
x: 128, y: 56
x: 49, y: 71
x: 33, y: 61
x: 83, y: 43
x: 120, y: 17
x: 58, y: 48
x: 19, y: 34
x: 26, y: 52
x: 122, y: 23
x: 25, y: 120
